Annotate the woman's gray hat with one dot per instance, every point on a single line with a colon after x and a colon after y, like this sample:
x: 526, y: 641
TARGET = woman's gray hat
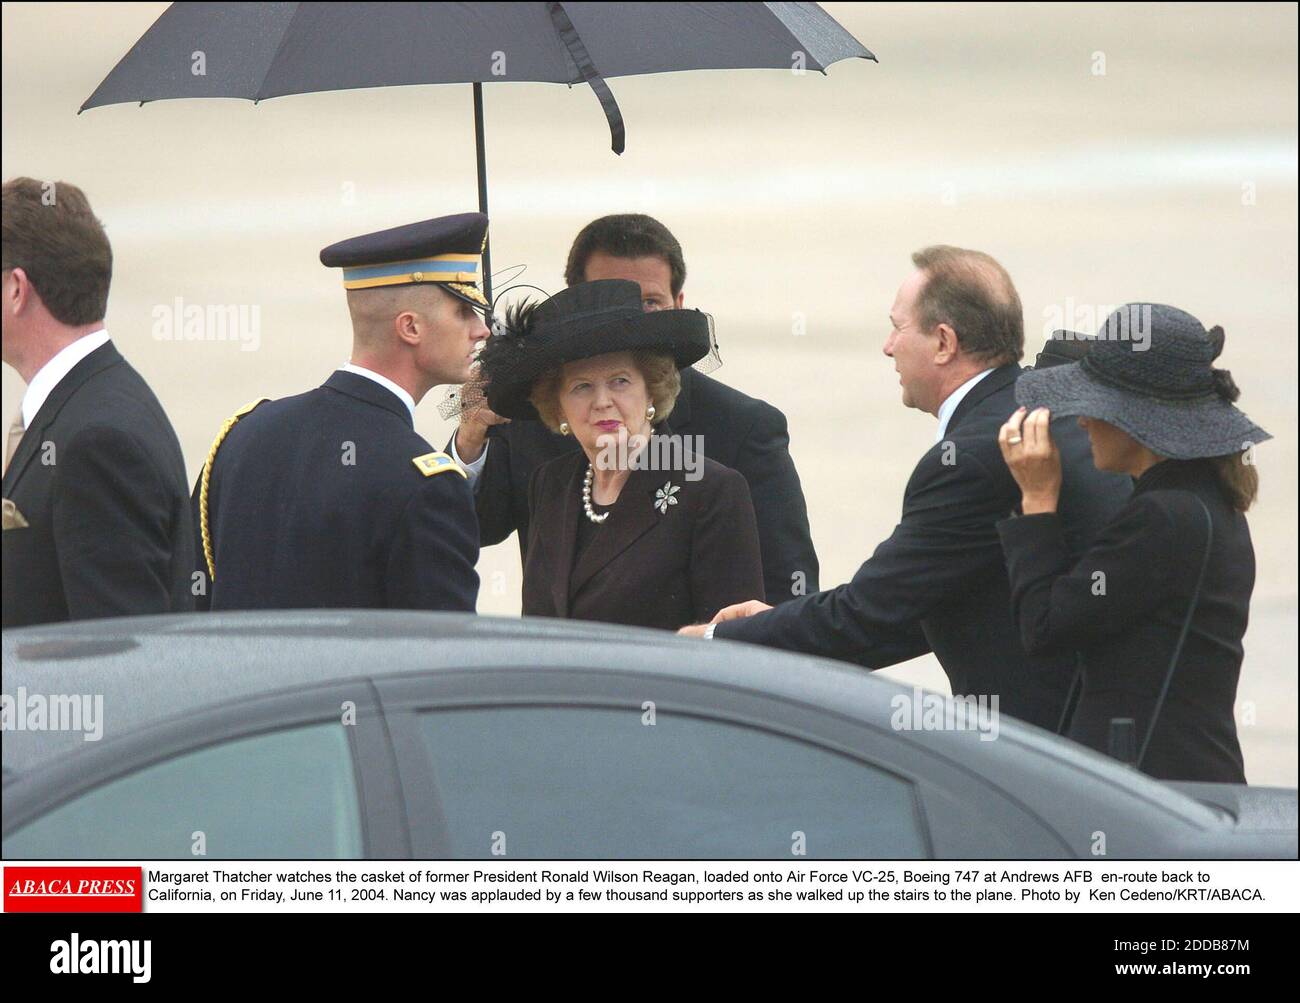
x: 1149, y: 373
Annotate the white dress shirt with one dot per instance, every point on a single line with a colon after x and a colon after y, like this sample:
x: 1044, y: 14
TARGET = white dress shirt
x: 52, y: 373
x: 384, y: 382
x: 472, y: 470
x: 950, y: 403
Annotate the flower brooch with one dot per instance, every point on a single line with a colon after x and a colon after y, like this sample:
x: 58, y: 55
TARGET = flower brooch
x: 665, y: 497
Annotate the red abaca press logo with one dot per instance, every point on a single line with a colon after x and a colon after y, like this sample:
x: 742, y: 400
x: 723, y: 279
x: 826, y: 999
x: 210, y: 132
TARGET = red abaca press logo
x: 72, y: 889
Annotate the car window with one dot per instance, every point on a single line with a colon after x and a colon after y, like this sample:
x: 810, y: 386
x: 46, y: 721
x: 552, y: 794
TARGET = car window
x: 288, y: 793
x: 595, y: 782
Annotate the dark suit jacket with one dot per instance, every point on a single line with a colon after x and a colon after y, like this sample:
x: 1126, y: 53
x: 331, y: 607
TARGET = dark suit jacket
x: 645, y: 567
x: 108, y: 529
x: 741, y: 432
x: 939, y: 582
x: 1123, y: 604
x: 293, y: 524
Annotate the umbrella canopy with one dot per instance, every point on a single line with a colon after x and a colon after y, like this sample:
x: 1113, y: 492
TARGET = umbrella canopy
x: 265, y: 50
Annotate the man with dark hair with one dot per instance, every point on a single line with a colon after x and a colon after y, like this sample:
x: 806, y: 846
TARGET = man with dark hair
x: 96, y: 515
x: 939, y: 583
x: 738, y: 431
x: 625, y: 237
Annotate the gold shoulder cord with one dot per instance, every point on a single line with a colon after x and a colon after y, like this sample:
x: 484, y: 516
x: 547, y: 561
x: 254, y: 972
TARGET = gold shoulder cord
x: 207, y: 477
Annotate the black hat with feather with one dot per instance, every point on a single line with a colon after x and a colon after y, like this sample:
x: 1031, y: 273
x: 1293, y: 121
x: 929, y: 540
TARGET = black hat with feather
x: 584, y: 320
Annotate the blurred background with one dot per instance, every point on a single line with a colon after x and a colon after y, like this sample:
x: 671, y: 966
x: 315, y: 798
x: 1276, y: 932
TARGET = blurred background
x: 1102, y: 152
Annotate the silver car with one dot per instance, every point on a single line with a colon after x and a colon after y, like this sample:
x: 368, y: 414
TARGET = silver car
x: 366, y: 734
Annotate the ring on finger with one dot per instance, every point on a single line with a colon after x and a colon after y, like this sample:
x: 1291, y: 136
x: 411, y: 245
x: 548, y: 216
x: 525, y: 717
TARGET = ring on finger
x: 1013, y: 439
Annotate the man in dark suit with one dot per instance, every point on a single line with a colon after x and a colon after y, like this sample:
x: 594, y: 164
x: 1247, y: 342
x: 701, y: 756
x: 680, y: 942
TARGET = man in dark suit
x: 330, y: 498
x: 96, y: 521
x: 738, y: 431
x: 939, y: 583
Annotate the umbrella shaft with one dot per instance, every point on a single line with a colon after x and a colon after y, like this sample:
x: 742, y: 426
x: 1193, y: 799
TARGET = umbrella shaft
x: 481, y: 152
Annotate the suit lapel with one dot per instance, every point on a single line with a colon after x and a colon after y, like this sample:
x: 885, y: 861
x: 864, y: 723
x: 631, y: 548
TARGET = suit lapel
x: 566, y: 540
x: 985, y: 388
x: 100, y: 359
x: 633, y: 515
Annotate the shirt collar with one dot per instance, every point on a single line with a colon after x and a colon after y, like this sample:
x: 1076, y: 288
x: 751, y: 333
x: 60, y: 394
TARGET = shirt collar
x: 384, y: 382
x: 950, y: 403
x: 52, y: 373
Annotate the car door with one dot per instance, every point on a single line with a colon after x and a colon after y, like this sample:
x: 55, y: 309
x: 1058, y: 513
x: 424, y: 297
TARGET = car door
x: 302, y: 774
x: 587, y: 764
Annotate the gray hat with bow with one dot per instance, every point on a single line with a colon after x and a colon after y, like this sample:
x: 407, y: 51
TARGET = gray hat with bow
x: 1148, y: 372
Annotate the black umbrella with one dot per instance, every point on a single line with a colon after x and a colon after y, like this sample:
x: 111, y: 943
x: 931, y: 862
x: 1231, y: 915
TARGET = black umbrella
x: 266, y: 50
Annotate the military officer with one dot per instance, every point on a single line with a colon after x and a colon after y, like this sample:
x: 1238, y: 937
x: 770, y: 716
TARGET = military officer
x: 330, y: 498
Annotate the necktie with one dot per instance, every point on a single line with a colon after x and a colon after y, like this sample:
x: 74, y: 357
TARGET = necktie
x: 13, y: 438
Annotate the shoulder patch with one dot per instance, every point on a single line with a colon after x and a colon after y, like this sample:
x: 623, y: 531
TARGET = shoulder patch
x: 437, y: 463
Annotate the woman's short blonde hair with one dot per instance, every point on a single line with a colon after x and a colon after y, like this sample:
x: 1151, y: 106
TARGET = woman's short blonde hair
x: 662, y: 381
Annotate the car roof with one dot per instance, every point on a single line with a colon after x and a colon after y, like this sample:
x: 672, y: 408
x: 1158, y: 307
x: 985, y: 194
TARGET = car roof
x: 149, y: 669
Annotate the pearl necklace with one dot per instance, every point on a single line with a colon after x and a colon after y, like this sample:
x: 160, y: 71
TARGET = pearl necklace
x: 586, y: 497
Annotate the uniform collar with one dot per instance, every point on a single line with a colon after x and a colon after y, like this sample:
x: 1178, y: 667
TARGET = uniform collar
x: 398, y: 392
x: 52, y: 373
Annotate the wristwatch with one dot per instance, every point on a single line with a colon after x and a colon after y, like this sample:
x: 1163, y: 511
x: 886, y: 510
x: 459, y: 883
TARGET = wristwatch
x: 708, y: 631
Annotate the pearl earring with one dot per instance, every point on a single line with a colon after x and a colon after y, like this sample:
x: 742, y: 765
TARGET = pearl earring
x: 650, y: 413
x: 564, y: 428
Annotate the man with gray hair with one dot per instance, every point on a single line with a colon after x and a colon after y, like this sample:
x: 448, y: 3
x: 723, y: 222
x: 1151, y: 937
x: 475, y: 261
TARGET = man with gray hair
x: 939, y: 583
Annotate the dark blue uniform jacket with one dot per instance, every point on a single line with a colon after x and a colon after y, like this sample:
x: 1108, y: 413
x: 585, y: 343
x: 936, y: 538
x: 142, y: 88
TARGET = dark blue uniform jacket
x: 315, y: 501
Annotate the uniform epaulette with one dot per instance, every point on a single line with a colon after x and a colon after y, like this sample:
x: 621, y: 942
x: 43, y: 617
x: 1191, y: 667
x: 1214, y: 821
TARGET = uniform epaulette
x: 437, y: 463
x: 207, y: 476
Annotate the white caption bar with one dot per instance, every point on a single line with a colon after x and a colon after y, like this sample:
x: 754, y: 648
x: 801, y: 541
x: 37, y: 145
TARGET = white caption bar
x: 831, y: 886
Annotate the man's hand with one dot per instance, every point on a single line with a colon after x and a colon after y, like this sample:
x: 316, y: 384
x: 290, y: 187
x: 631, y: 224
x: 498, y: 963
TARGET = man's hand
x: 736, y: 612
x: 740, y: 610
x: 475, y: 420
x: 1033, y: 459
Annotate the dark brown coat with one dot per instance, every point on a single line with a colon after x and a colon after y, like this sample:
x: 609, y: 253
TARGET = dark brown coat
x: 645, y: 567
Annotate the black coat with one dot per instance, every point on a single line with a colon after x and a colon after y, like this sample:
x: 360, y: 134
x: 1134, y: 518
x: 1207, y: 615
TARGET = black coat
x: 1122, y: 605
x: 294, y: 524
x: 100, y: 480
x: 646, y: 565
x: 741, y: 432
x: 939, y: 582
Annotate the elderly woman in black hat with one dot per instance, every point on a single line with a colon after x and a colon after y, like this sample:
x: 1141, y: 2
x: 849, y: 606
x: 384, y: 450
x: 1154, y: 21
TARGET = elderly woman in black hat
x: 626, y: 530
x: 1158, y: 606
